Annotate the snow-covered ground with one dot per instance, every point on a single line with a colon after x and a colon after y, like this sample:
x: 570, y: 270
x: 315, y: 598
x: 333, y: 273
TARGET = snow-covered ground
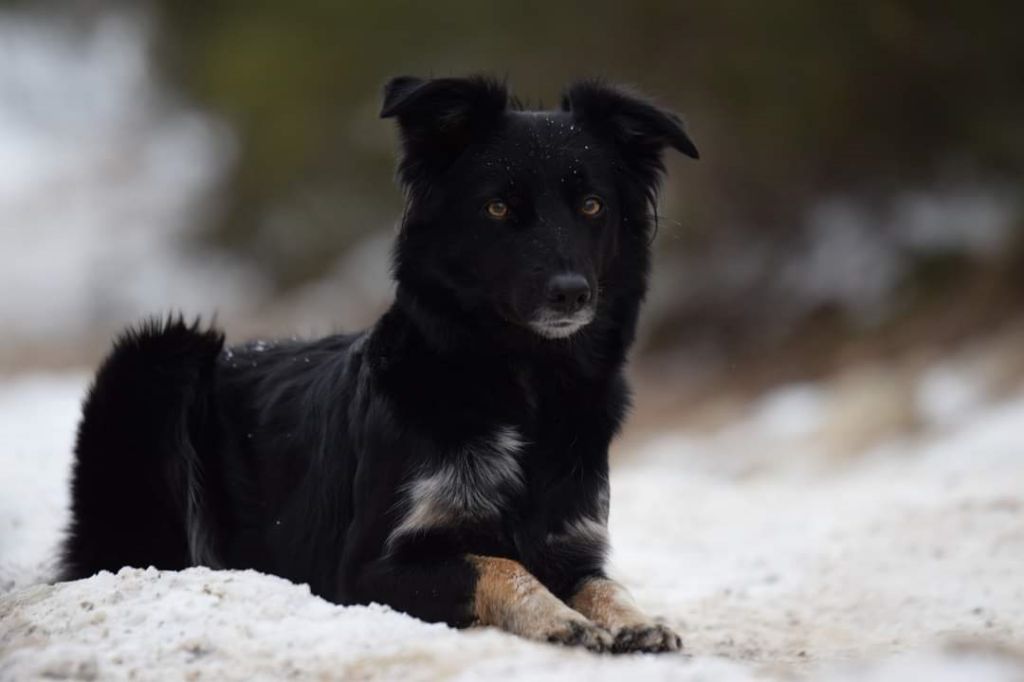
x: 904, y: 561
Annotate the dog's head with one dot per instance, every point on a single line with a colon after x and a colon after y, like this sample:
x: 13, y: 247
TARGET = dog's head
x: 535, y: 218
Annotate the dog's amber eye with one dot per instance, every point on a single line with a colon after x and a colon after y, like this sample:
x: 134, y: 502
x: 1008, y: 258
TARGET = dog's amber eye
x: 591, y: 207
x: 497, y: 209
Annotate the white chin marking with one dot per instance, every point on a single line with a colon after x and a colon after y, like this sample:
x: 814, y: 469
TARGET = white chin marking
x: 559, y: 329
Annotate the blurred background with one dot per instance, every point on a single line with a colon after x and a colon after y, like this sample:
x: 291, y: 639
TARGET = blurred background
x: 856, y: 221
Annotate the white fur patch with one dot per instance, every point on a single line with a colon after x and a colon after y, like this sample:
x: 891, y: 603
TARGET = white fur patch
x: 603, y: 501
x: 473, y: 482
x: 562, y: 328
x: 200, y: 541
x: 584, y: 531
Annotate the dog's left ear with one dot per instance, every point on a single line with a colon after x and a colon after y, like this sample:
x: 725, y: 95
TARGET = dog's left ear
x: 640, y: 129
x: 439, y: 118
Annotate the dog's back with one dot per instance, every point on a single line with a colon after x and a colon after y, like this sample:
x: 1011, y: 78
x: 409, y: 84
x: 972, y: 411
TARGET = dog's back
x: 137, y: 485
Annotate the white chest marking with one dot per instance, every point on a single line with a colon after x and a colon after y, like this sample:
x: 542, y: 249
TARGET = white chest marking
x: 472, y: 483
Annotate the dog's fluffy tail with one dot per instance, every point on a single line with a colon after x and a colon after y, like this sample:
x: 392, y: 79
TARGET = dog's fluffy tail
x: 137, y: 483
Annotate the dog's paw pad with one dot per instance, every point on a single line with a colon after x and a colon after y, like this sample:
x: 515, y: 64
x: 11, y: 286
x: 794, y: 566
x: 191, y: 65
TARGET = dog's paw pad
x: 653, y: 638
x: 581, y: 633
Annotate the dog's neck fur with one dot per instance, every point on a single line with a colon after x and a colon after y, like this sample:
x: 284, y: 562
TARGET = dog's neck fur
x: 439, y: 323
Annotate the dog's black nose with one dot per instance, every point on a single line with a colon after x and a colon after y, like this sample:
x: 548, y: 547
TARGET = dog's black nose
x: 568, y: 293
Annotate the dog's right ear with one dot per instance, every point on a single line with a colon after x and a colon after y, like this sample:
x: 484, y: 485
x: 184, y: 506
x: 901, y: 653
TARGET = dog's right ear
x: 639, y: 130
x: 439, y: 118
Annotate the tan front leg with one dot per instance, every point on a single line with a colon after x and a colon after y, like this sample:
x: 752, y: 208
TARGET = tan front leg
x: 509, y: 597
x: 608, y: 604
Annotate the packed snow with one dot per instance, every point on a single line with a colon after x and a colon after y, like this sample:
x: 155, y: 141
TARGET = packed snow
x: 773, y: 560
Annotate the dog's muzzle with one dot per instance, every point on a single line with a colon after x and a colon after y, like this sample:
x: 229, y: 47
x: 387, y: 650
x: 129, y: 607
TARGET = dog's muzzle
x: 568, y: 307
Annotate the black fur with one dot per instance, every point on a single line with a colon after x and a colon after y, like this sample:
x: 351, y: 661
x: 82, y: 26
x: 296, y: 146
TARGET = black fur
x: 296, y: 458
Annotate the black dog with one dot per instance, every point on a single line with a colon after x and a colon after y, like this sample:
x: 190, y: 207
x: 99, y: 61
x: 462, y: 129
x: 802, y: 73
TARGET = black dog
x: 452, y: 460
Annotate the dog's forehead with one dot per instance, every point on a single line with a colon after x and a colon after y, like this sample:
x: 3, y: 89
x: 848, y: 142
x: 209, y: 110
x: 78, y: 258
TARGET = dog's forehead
x: 543, y: 132
x: 544, y: 124
x: 543, y: 143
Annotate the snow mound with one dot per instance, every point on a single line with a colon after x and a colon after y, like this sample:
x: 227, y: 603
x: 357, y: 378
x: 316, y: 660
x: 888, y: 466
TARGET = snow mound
x: 242, y: 625
x: 902, y: 563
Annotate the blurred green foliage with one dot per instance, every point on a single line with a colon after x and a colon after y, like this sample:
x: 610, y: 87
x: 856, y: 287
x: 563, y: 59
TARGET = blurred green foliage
x: 787, y: 100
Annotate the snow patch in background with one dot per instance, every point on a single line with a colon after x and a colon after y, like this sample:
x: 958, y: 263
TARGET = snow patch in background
x: 109, y: 174
x: 849, y: 252
x: 855, y: 254
x: 38, y: 419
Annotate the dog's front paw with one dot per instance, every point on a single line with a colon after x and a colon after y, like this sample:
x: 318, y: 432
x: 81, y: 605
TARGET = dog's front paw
x: 646, y: 637
x: 580, y: 632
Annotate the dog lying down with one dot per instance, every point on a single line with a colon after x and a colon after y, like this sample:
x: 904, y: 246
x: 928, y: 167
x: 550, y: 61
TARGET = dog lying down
x: 451, y: 461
